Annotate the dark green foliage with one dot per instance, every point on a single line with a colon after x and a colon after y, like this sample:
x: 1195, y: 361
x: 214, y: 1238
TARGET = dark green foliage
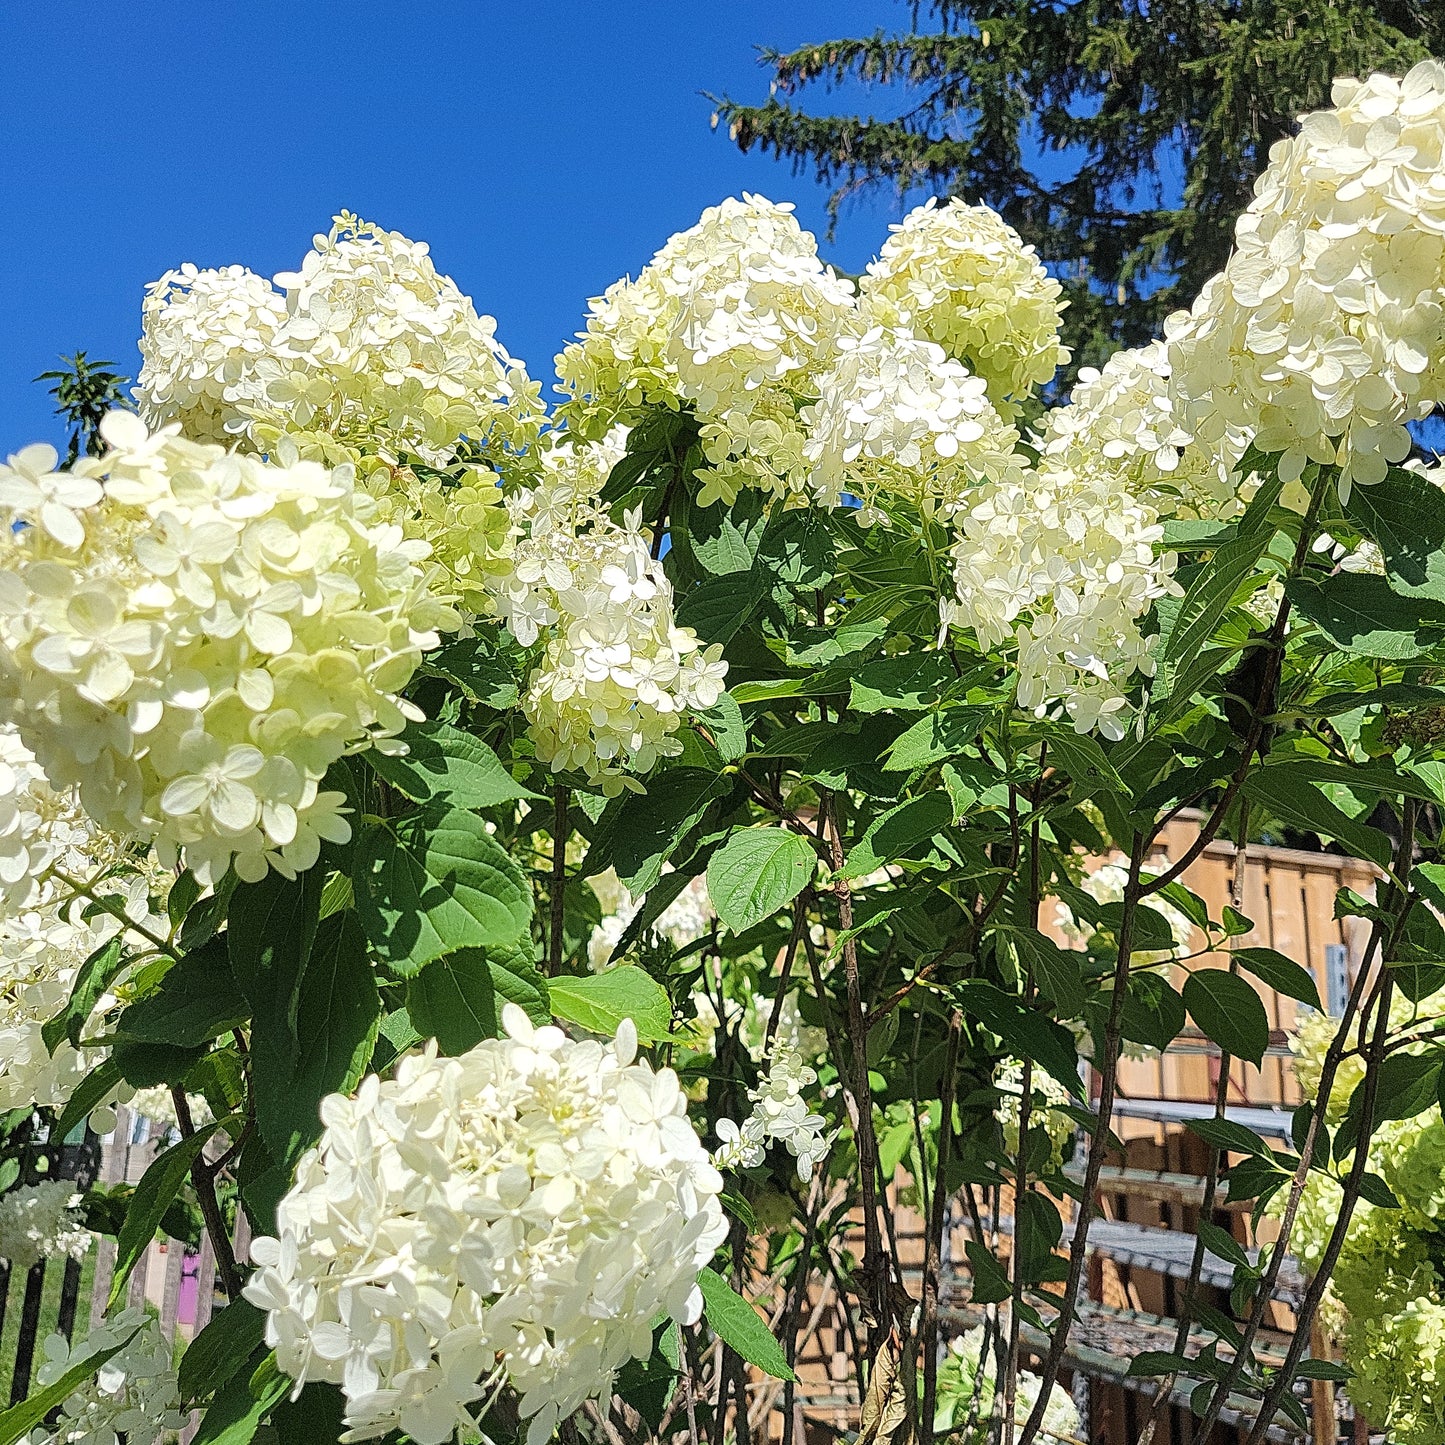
x: 84, y: 391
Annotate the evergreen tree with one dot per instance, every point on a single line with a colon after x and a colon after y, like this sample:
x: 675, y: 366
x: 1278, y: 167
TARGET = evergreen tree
x: 1169, y: 108
x: 84, y: 391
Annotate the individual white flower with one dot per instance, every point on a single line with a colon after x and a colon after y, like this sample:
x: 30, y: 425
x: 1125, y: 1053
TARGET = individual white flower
x: 41, y: 1221
x: 133, y: 1397
x: 617, y: 676
x: 519, y: 1215
x: 1322, y: 337
x: 960, y: 276
x: 228, y: 630
x: 53, y: 501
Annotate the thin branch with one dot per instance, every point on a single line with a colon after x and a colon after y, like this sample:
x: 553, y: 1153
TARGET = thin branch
x: 558, y: 894
x: 204, y: 1179
x: 932, y: 1249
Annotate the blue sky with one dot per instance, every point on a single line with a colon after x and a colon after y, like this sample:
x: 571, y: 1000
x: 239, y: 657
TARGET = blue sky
x: 542, y: 149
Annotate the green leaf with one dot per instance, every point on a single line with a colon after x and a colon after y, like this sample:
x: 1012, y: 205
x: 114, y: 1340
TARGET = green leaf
x: 20, y: 1419
x: 444, y: 763
x: 898, y: 832
x: 908, y: 683
x: 1280, y: 973
x: 92, y: 979
x: 435, y: 882
x: 1362, y: 615
x: 452, y: 1001
x: 153, y: 1195
x: 738, y: 1325
x: 1301, y: 804
x: 1229, y: 1011
x: 1025, y: 1031
x: 220, y: 1349
x: 1209, y: 597
x: 600, y: 1001
x: 517, y: 979
x: 756, y: 872
x: 1083, y: 762
x: 933, y: 738
x: 718, y: 608
x: 1153, y: 1012
x: 647, y: 828
x: 990, y: 1285
x: 1038, y: 1229
x: 1408, y: 1085
x: 1056, y: 970
x: 479, y: 667
x: 723, y: 723
x: 243, y: 1403
x: 143, y: 1064
x: 338, y: 1014
x: 269, y: 934
x: 315, y: 1417
x: 1405, y: 515
x: 197, y: 1000
x: 95, y: 1089
x: 1156, y: 1362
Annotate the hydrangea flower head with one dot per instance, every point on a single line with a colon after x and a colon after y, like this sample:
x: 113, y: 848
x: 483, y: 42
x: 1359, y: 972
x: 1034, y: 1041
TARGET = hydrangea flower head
x: 517, y: 1215
x: 40, y: 1221
x: 222, y: 632
x: 961, y: 277
x: 1325, y: 332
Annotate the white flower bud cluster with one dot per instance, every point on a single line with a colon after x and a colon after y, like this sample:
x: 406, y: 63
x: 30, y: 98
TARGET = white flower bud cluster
x: 134, y: 1396
x: 519, y: 1215
x: 1321, y: 337
x: 780, y: 1115
x: 195, y: 641
x: 617, y: 674
x: 368, y: 344
x: 960, y: 276
x: 895, y: 416
x: 41, y: 1221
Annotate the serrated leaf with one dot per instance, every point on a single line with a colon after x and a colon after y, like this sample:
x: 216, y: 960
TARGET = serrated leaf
x: 1363, y: 616
x: 444, y: 763
x: 197, y: 1000
x: 898, y: 832
x: 338, y: 1015
x: 1229, y: 1012
x: 1304, y: 806
x: 214, y: 1356
x: 1027, y: 1032
x: 908, y: 683
x: 756, y: 872
x: 92, y: 979
x: 933, y: 738
x: 739, y: 1326
x: 600, y: 1001
x: 435, y: 882
x: 244, y: 1402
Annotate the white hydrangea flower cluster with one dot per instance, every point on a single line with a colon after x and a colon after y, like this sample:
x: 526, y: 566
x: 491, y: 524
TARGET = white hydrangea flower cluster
x: 200, y: 640
x: 1045, y: 1108
x: 517, y: 1215
x: 895, y: 416
x: 41, y: 951
x: 687, y: 918
x: 1321, y: 337
x: 134, y: 1396
x: 617, y: 674
x: 956, y: 1392
x: 1064, y: 565
x: 41, y: 1221
x: 202, y: 335
x: 960, y: 276
x: 737, y: 315
x: 369, y: 345
x: 1121, y: 422
x: 780, y: 1114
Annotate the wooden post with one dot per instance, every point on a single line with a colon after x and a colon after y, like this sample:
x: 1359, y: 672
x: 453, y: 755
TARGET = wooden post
x: 1324, y: 1427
